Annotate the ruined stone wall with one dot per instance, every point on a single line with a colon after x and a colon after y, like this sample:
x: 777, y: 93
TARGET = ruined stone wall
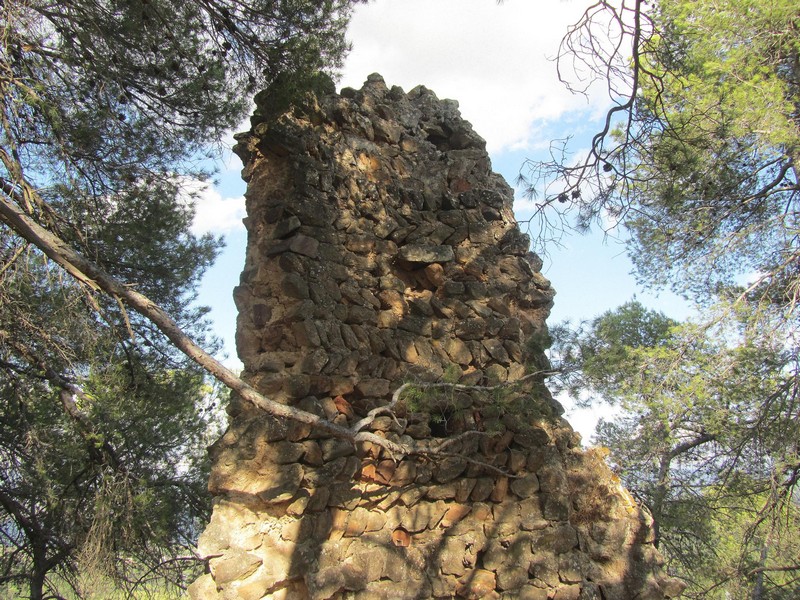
x: 383, y: 250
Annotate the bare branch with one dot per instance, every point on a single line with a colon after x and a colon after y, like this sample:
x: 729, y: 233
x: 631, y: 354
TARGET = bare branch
x: 84, y: 270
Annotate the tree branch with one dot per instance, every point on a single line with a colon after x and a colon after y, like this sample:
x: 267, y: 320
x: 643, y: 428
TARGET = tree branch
x: 689, y: 444
x: 87, y: 271
x: 91, y: 274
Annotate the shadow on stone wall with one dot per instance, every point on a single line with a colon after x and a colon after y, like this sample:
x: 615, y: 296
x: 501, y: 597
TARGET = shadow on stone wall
x: 383, y: 250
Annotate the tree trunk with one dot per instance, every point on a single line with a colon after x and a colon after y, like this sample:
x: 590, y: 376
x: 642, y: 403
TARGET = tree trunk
x: 758, y: 589
x: 39, y: 572
x: 660, y: 495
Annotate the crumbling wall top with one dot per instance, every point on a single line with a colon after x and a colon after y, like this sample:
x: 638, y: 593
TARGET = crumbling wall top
x: 383, y: 251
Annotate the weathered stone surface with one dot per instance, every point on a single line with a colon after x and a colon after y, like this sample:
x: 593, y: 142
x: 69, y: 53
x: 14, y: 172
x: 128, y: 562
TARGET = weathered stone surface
x: 215, y: 537
x: 374, y: 387
x: 458, y: 351
x: 471, y: 329
x: 512, y: 578
x: 476, y: 584
x: 448, y: 469
x: 497, y: 351
x: 294, y: 286
x: 558, y: 539
x: 234, y: 565
x: 334, y: 448
x: 422, y: 253
x: 382, y: 250
x: 445, y: 491
x: 204, y: 588
x: 568, y: 592
x: 525, y: 487
x: 454, y: 514
x: 530, y: 592
x: 279, y: 485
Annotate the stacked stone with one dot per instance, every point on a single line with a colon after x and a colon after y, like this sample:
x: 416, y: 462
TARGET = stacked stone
x: 382, y: 247
x: 382, y: 250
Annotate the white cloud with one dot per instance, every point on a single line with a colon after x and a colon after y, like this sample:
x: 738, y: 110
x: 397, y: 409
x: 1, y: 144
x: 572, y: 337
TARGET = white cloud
x: 213, y: 213
x: 496, y: 60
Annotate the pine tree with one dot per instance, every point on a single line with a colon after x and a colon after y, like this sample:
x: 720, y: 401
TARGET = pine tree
x: 108, y: 110
x: 697, y: 162
x: 705, y: 435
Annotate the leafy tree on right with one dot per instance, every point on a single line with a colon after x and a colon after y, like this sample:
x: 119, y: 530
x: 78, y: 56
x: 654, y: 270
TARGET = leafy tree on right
x: 704, y: 431
x: 697, y: 162
x: 698, y: 156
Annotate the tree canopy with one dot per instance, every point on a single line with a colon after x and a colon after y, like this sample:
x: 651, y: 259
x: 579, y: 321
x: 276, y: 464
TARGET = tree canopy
x: 697, y: 165
x: 698, y: 156
x: 705, y: 433
x: 108, y: 111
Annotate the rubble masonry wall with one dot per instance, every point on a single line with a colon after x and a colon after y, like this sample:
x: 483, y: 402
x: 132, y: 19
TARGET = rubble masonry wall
x: 382, y: 251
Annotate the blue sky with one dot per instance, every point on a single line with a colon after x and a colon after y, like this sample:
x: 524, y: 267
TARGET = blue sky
x: 496, y: 60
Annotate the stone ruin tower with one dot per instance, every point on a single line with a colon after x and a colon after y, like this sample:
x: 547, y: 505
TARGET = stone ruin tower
x: 382, y: 251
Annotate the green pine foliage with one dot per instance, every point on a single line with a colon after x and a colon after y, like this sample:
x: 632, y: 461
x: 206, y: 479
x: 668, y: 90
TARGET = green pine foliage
x: 697, y: 165
x: 704, y: 433
x: 698, y: 160
x: 109, y: 110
